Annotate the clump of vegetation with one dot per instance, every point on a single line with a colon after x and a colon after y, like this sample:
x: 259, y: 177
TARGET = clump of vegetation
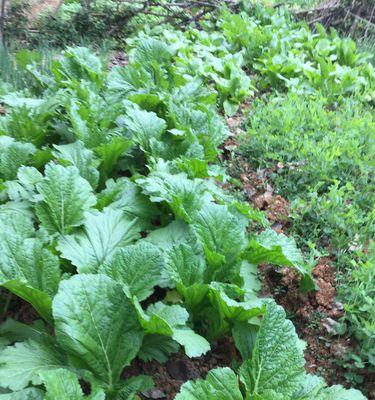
x: 114, y: 224
x: 321, y: 155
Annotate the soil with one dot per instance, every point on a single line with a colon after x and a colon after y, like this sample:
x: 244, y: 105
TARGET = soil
x: 17, y: 309
x: 179, y: 368
x: 39, y: 6
x: 314, y: 314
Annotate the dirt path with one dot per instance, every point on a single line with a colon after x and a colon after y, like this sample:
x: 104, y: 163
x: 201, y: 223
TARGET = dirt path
x: 38, y: 6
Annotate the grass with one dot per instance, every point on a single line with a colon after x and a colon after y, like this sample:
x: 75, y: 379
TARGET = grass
x: 325, y: 169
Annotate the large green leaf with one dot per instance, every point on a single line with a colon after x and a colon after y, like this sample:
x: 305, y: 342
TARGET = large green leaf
x: 63, y: 384
x: 65, y: 198
x: 171, y: 321
x: 97, y: 325
x: 103, y: 233
x: 142, y: 125
x: 184, y: 196
x: 21, y: 363
x: 220, y: 384
x: 83, y: 159
x: 138, y: 267
x: 222, y: 236
x: 125, y: 195
x: 26, y: 268
x: 277, y: 360
x: 12, y: 155
x: 275, y: 248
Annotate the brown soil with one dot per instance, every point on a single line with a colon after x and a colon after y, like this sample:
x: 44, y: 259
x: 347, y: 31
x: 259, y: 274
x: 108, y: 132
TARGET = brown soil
x: 179, y: 368
x: 38, y: 6
x: 314, y: 314
x: 17, y: 309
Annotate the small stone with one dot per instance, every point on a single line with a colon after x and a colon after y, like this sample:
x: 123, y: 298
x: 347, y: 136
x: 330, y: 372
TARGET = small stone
x: 154, y: 394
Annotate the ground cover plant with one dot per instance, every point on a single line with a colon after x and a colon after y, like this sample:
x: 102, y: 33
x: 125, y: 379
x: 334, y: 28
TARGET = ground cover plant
x: 116, y: 229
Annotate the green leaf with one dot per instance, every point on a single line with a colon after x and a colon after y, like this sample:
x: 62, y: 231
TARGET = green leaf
x: 83, y: 159
x: 13, y: 154
x: 78, y: 63
x: 97, y: 325
x: 125, y: 195
x: 130, y: 387
x: 138, y: 268
x: 222, y: 236
x: 228, y: 310
x: 157, y: 347
x: 26, y: 268
x: 142, y: 125
x: 171, y: 321
x: 21, y: 363
x: 185, y: 265
x: 25, y: 394
x: 103, y: 233
x: 110, y: 153
x: 65, y: 198
x: 175, y: 233
x: 275, y: 248
x: 220, y: 384
x: 313, y: 387
x: 244, y: 335
x: 277, y: 360
x: 184, y: 196
x: 63, y: 384
x: 24, y: 188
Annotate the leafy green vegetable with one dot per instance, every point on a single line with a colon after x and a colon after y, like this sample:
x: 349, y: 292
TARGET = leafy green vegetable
x: 220, y: 384
x: 275, y: 370
x: 63, y: 384
x: 97, y: 326
x: 95, y: 244
x: 83, y: 159
x: 21, y: 363
x: 13, y: 154
x: 65, y: 196
x: 171, y: 321
x: 137, y: 267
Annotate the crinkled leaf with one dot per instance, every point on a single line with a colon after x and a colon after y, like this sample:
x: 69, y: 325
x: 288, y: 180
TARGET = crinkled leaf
x: 21, y: 363
x: 222, y: 236
x: 63, y: 384
x: 65, y: 198
x: 126, y: 195
x: 97, y: 325
x: 130, y: 387
x: 184, y: 265
x: 171, y: 321
x: 220, y: 384
x: 25, y: 394
x: 142, y: 125
x: 157, y: 347
x: 277, y: 359
x: 138, y: 267
x: 275, y: 248
x: 184, y: 196
x: 103, y: 233
x: 13, y: 154
x: 83, y: 159
x: 26, y: 268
